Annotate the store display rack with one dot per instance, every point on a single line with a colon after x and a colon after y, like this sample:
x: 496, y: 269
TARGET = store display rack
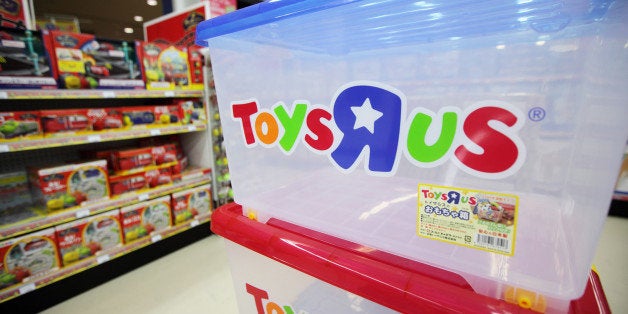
x: 96, y: 93
x: 36, y: 283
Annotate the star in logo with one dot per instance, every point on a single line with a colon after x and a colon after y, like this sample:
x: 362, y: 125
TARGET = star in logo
x: 365, y: 116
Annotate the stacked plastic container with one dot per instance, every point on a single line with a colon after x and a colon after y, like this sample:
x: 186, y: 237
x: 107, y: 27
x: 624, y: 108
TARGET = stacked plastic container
x: 477, y: 137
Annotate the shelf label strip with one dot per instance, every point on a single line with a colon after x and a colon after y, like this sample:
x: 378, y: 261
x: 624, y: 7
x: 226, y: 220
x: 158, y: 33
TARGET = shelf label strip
x: 27, y: 288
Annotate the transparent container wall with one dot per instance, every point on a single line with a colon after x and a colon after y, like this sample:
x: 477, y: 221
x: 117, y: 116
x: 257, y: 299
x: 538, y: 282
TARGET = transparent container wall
x: 564, y: 77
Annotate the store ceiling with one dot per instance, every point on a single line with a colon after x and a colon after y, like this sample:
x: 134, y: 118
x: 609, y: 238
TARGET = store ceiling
x: 107, y: 18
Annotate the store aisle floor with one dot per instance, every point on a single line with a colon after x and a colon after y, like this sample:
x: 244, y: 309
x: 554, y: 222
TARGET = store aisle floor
x: 197, y: 279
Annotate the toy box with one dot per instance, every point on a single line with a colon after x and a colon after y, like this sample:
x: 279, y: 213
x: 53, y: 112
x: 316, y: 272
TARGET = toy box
x: 27, y: 256
x: 165, y: 66
x: 164, y: 153
x: 20, y: 125
x: 105, y: 119
x: 180, y: 166
x: 151, y: 115
x: 14, y: 191
x: 142, y: 219
x: 85, y: 237
x: 69, y: 185
x: 65, y: 122
x: 157, y: 177
x: 196, y: 60
x: 191, y: 203
x: 132, y: 159
x: 24, y: 62
x: 84, y: 61
x: 121, y: 184
x: 388, y: 133
x: 193, y: 112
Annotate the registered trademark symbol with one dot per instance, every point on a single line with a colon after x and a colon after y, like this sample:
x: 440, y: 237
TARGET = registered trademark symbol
x: 536, y: 114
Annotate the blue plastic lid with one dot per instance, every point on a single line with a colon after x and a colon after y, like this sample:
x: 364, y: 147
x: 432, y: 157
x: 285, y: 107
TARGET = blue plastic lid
x: 392, y: 21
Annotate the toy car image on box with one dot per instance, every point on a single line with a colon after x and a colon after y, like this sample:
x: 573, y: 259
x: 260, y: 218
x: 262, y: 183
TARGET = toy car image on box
x: 65, y: 122
x: 27, y: 256
x: 69, y: 185
x: 84, y: 61
x: 24, y: 62
x: 85, y: 237
x: 165, y: 66
x: 157, y: 177
x: 152, y: 115
x: 19, y: 125
x: 142, y: 219
x: 193, y: 112
x: 132, y: 159
x: 191, y: 203
x: 121, y: 184
x: 105, y: 119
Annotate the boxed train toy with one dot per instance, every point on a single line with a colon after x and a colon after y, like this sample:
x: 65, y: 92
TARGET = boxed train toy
x: 142, y: 219
x: 18, y: 125
x: 85, y: 237
x: 147, y: 116
x: 24, y: 62
x: 195, y: 202
x: 165, y: 66
x: 69, y: 185
x: 27, y: 256
x: 65, y: 122
x: 85, y: 61
x: 120, y: 184
x: 14, y: 191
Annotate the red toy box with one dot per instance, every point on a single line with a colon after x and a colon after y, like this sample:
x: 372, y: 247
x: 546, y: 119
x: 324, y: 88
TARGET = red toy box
x: 152, y: 115
x: 165, y: 67
x: 132, y: 159
x: 105, y: 119
x: 20, y: 125
x: 164, y: 153
x: 84, y: 61
x: 180, y: 166
x: 195, y: 59
x: 193, y: 112
x: 85, y: 237
x: 157, y: 177
x: 69, y: 185
x: 142, y: 219
x: 195, y: 202
x: 121, y: 184
x: 27, y: 256
x: 65, y: 122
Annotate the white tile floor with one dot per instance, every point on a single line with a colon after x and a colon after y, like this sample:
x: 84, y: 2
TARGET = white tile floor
x: 196, y: 279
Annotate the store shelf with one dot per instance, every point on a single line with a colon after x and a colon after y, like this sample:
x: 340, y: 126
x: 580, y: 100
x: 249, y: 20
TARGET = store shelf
x: 97, y: 137
x: 190, y: 178
x: 620, y: 196
x: 96, y: 93
x: 62, y: 273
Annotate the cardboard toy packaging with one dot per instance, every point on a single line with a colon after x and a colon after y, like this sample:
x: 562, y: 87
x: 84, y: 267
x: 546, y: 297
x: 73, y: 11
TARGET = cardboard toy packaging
x: 19, y: 125
x: 59, y: 123
x: 151, y: 116
x: 121, y: 184
x: 104, y: 119
x: 140, y: 220
x: 24, y: 62
x: 193, y: 112
x: 86, y: 237
x: 85, y: 61
x: 14, y: 191
x: 165, y: 67
x: 69, y: 185
x: 195, y: 202
x: 27, y: 256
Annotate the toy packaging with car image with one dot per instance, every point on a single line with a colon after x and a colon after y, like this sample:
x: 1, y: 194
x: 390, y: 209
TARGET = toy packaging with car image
x: 140, y: 220
x: 165, y: 67
x: 83, y: 61
x: 65, y: 122
x: 86, y: 237
x: 188, y: 204
x: 120, y: 184
x: 69, y: 185
x: 151, y: 116
x: 28, y: 256
x: 14, y: 191
x: 24, y: 62
x: 18, y: 125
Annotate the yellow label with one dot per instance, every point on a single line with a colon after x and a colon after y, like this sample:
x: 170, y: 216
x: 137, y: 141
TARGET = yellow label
x: 70, y: 60
x: 477, y: 219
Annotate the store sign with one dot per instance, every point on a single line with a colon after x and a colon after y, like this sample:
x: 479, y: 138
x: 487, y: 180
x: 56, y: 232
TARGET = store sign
x: 367, y: 121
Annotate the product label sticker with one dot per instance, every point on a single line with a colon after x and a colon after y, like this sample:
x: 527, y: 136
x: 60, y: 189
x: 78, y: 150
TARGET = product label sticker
x: 70, y: 60
x: 477, y: 219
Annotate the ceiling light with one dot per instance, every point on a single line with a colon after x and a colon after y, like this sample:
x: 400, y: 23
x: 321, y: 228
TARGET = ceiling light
x: 540, y: 43
x: 138, y: 18
x: 151, y: 2
x: 128, y: 30
x: 500, y: 46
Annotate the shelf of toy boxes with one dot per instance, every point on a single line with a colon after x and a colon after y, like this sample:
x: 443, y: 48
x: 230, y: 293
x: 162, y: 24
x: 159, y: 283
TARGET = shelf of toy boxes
x: 101, y: 257
x: 96, y: 93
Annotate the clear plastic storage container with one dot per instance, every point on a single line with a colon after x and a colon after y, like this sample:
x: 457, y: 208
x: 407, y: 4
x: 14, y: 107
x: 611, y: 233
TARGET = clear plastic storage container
x: 479, y: 137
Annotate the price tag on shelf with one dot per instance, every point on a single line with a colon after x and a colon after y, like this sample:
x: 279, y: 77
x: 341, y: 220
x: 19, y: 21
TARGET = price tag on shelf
x: 142, y: 197
x: 4, y: 149
x: 169, y: 93
x: 109, y: 94
x: 94, y: 138
x: 194, y: 223
x: 103, y: 258
x: 155, y: 238
x: 27, y: 288
x: 82, y: 213
x: 155, y: 132
x: 192, y: 128
x: 4, y: 95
